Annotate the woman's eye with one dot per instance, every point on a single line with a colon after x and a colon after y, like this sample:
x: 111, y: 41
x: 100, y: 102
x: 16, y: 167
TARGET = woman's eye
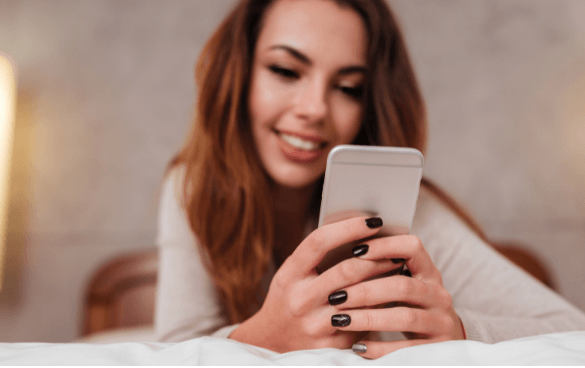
x: 355, y: 92
x: 287, y: 73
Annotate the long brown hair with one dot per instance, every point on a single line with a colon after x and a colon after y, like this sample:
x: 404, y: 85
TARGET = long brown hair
x: 224, y: 184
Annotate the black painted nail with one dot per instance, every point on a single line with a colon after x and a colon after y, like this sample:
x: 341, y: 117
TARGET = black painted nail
x: 374, y: 222
x: 340, y: 320
x: 397, y: 260
x: 360, y: 250
x: 359, y: 348
x: 406, y: 273
x: 338, y: 298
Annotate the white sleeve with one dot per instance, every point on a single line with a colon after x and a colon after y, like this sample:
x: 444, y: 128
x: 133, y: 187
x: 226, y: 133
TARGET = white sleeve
x: 495, y: 299
x: 187, y: 305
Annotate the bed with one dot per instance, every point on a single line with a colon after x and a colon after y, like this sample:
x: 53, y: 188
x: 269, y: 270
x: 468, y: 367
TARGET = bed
x: 119, y: 309
x: 554, y: 349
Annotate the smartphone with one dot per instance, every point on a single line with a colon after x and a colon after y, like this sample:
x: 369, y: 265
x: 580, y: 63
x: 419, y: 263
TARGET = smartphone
x: 370, y: 181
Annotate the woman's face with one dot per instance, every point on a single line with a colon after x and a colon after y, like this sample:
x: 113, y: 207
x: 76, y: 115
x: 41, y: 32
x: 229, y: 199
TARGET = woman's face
x: 306, y: 87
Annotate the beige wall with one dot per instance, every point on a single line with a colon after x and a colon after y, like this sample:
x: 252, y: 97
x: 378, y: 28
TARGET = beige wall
x: 105, y: 98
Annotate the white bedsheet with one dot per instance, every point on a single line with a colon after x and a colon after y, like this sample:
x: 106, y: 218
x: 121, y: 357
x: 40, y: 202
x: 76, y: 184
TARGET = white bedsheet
x: 553, y: 349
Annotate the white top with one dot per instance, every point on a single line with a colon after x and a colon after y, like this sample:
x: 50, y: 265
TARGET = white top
x: 495, y: 299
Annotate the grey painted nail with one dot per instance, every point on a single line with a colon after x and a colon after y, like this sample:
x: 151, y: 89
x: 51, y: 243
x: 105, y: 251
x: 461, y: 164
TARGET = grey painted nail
x: 359, y: 348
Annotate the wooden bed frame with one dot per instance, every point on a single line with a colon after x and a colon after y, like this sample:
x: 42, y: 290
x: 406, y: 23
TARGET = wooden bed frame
x: 122, y: 292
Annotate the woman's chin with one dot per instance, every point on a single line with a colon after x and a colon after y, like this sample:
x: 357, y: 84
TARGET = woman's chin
x: 296, y: 185
x: 296, y: 181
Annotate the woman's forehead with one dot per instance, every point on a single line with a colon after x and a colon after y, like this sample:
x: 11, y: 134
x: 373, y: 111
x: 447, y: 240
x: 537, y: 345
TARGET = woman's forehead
x: 317, y: 28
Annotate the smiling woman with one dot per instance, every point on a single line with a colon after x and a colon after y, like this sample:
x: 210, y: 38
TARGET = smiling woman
x: 297, y: 77
x: 280, y: 84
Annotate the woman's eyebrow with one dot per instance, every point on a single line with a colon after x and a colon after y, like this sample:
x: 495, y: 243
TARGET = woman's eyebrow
x: 351, y: 70
x: 305, y: 60
x: 295, y: 53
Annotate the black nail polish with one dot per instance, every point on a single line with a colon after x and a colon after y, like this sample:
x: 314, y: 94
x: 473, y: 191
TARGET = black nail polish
x: 340, y: 320
x: 338, y: 298
x: 397, y: 260
x: 360, y: 250
x: 374, y: 222
x: 406, y: 273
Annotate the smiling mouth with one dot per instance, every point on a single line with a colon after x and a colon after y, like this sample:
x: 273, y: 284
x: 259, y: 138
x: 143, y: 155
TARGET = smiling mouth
x: 300, y: 142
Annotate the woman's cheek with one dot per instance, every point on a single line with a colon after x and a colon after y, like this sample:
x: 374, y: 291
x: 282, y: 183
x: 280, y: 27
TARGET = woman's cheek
x: 274, y: 96
x: 348, y: 124
x: 262, y: 97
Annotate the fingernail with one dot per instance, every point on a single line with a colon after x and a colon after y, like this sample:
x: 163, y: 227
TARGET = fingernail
x: 340, y: 320
x: 374, y: 222
x: 397, y: 260
x: 360, y: 250
x: 406, y: 273
x: 359, y: 348
x: 338, y: 298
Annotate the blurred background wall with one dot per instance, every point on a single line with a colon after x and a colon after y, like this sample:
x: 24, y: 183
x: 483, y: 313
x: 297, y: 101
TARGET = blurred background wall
x: 105, y: 95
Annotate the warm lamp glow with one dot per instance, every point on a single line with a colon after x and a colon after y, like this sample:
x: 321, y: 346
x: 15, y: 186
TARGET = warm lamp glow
x: 7, y: 113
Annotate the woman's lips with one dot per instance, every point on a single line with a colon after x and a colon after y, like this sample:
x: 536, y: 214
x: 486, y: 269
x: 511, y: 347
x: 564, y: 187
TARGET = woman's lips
x: 296, y: 154
x: 306, y: 137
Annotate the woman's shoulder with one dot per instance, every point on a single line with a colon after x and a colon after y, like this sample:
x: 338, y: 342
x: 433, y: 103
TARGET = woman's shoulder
x: 171, y: 192
x: 173, y: 223
x: 433, y: 215
x: 427, y: 204
x: 173, y: 179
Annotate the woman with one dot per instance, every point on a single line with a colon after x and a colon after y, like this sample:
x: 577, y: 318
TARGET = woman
x: 280, y: 84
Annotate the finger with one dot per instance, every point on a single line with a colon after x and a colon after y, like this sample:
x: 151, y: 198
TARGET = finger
x: 377, y: 349
x: 315, y: 246
x: 349, y: 272
x: 392, y: 319
x: 409, y: 248
x: 395, y: 289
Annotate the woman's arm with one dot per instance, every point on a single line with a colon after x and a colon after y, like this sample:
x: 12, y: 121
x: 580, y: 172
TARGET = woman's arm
x: 495, y: 299
x: 186, y: 304
x: 296, y: 313
x: 459, y: 288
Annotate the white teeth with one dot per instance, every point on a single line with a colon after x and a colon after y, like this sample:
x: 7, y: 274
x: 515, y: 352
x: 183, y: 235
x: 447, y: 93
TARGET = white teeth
x: 300, y: 143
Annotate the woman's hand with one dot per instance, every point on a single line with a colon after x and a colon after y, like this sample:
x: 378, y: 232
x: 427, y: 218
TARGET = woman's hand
x: 297, y: 314
x: 425, y: 310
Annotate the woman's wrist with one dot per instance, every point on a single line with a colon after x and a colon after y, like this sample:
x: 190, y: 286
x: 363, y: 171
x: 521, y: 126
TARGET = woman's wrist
x: 462, y: 328
x: 252, y: 332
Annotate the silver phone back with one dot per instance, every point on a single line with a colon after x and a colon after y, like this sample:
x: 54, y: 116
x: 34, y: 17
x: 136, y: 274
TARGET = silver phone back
x: 376, y: 181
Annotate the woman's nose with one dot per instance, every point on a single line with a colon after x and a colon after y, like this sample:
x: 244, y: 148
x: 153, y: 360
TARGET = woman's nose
x: 311, y: 102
